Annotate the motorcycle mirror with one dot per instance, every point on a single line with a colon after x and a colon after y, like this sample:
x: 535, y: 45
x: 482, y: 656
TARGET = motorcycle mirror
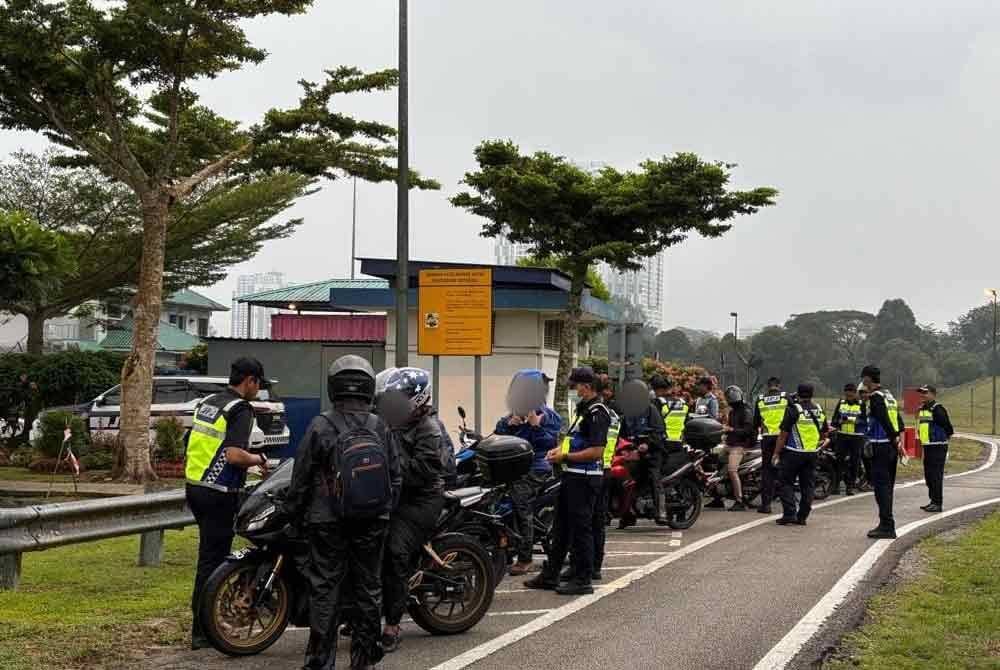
x: 461, y: 412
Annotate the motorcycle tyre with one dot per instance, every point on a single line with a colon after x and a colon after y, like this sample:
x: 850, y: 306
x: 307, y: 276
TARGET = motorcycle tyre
x: 218, y: 578
x: 695, y: 493
x: 442, y: 546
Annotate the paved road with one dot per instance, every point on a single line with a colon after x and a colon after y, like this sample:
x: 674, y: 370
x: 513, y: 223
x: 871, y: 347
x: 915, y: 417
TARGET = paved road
x: 722, y: 606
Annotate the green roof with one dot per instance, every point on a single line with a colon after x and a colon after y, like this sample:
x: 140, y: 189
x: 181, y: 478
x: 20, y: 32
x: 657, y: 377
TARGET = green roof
x: 194, y: 299
x: 170, y: 338
x: 309, y: 296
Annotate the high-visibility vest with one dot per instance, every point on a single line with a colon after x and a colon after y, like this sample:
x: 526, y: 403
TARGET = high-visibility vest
x: 850, y: 412
x: 573, y: 442
x: 772, y: 411
x: 675, y: 413
x: 874, y: 428
x: 205, y: 462
x: 930, y: 433
x: 806, y: 432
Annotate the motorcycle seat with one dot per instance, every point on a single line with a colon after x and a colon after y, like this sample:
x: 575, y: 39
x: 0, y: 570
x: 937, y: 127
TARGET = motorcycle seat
x: 462, y: 494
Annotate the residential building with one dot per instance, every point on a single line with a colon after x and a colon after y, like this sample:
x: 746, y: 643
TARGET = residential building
x: 258, y: 325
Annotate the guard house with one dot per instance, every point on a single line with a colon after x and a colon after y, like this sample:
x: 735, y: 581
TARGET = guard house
x: 527, y: 327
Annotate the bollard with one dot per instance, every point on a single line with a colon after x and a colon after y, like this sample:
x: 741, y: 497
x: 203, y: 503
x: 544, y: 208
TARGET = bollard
x: 151, y: 548
x: 10, y: 571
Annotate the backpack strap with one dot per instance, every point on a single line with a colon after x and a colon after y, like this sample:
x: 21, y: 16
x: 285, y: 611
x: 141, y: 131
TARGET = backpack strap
x: 336, y: 419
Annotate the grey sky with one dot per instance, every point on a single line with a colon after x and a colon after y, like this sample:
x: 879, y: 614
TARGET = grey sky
x: 878, y: 125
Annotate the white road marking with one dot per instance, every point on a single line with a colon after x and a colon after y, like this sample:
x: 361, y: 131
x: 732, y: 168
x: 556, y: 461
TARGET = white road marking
x: 519, y: 613
x: 790, y: 645
x: 554, y: 616
x: 596, y: 586
x: 659, y: 542
x: 675, y: 543
x: 633, y: 553
x: 677, y: 534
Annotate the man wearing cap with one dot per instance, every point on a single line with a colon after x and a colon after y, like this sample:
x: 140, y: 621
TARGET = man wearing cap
x: 706, y: 404
x: 849, y: 438
x: 882, y: 429
x: 768, y: 415
x: 540, y: 428
x: 803, y: 433
x: 581, y: 487
x: 215, y: 467
x: 674, y: 410
x: 935, y: 431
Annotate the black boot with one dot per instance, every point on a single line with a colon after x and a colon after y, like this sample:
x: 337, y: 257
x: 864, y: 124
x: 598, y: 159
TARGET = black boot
x: 319, y: 653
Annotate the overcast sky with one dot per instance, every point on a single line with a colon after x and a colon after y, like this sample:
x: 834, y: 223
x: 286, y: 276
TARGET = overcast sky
x: 877, y: 124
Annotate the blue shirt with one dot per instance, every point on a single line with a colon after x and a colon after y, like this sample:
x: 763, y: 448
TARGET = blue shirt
x: 542, y: 439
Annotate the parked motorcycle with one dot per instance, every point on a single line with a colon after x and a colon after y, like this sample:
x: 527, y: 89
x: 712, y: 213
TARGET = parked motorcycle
x: 252, y: 597
x: 718, y: 484
x: 632, y: 491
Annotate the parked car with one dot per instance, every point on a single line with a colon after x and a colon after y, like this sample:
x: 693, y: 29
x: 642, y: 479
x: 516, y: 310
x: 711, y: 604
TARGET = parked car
x: 179, y: 397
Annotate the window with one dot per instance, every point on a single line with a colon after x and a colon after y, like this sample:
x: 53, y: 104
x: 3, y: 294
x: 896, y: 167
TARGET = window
x: 205, y: 389
x: 181, y: 322
x: 553, y: 335
x: 114, y: 310
x: 170, y: 393
x: 202, y: 327
x: 173, y: 319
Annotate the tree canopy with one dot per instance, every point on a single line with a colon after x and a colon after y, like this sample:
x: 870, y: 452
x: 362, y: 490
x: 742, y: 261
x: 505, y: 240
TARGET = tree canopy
x: 32, y: 259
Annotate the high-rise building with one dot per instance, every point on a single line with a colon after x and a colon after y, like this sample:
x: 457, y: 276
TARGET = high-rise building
x: 643, y: 288
x: 260, y: 317
x: 509, y: 253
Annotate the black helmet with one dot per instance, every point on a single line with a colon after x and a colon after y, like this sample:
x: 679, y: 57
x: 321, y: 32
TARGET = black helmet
x: 351, y: 377
x: 734, y: 395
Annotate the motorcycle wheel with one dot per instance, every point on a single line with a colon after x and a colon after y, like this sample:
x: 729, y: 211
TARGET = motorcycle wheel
x: 824, y: 484
x: 544, y: 523
x: 467, y: 561
x: 230, y: 622
x: 690, y: 494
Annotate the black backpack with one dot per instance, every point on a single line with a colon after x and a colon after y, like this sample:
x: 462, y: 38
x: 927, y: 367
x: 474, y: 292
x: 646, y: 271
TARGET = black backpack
x: 359, y: 465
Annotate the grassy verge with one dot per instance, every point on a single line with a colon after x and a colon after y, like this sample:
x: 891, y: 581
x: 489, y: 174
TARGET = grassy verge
x: 946, y: 618
x: 25, y: 475
x: 963, y: 454
x: 89, y: 605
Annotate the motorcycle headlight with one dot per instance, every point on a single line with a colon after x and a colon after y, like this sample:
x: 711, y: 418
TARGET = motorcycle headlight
x: 258, y: 520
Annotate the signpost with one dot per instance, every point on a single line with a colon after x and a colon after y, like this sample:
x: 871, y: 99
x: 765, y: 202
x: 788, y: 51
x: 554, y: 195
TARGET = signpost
x: 455, y: 318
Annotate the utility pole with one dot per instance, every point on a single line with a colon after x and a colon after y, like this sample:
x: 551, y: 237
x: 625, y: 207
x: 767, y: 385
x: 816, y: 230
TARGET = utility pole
x: 354, y: 228
x: 736, y: 345
x: 992, y: 292
x: 403, y: 199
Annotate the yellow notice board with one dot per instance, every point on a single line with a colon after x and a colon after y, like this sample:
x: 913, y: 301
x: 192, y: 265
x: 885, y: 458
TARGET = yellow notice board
x: 455, y: 312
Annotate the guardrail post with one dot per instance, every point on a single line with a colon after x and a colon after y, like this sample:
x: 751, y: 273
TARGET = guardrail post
x: 151, y: 548
x: 10, y: 571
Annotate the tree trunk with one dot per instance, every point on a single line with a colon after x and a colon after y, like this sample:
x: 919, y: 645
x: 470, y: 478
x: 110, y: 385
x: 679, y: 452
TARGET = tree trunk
x: 571, y: 329
x: 137, y: 373
x: 36, y: 332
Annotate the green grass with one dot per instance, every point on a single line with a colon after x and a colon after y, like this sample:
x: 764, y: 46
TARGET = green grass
x: 88, y: 605
x: 963, y: 455
x: 11, y: 474
x: 947, y: 618
x: 969, y: 405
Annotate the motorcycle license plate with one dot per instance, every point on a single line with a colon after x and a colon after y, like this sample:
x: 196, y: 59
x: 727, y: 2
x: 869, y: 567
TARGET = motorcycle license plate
x: 240, y: 554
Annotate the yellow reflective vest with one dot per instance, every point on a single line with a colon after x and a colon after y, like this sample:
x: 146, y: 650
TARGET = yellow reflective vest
x: 772, y: 411
x: 849, y: 412
x: 204, y: 463
x: 675, y: 413
x: 806, y: 435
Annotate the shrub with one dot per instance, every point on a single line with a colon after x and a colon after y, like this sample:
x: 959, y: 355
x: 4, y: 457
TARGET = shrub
x: 169, y: 439
x: 64, y: 378
x: 52, y: 426
x: 23, y: 456
x: 98, y: 460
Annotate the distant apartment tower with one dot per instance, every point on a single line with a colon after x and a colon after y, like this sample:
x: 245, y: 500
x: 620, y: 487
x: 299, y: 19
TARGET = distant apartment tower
x: 643, y: 288
x: 509, y: 253
x: 260, y: 317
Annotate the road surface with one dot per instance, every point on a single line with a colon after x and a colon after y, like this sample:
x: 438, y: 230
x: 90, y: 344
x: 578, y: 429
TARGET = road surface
x: 718, y: 596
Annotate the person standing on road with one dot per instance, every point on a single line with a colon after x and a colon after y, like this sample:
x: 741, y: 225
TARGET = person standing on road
x: 674, y: 410
x: 706, y: 404
x: 215, y: 467
x: 648, y: 425
x: 883, y: 428
x: 581, y: 487
x: 848, y: 439
x: 740, y: 434
x: 540, y: 428
x: 803, y: 433
x: 935, y: 431
x: 345, y: 544
x: 862, y: 427
x: 768, y: 414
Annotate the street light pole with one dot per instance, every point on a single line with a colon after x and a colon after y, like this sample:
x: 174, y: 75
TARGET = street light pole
x: 403, y: 199
x: 992, y: 292
x: 736, y: 345
x: 354, y: 227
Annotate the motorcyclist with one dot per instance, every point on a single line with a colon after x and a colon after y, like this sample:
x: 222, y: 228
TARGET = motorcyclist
x: 649, y: 426
x: 406, y: 403
x: 339, y: 546
x: 740, y: 434
x: 447, y: 446
x: 540, y: 426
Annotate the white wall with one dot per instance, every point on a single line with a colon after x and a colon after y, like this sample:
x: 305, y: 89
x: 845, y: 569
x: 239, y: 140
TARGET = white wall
x: 518, y: 340
x: 13, y: 329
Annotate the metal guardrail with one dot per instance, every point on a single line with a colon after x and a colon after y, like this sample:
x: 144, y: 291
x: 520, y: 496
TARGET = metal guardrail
x: 40, y: 527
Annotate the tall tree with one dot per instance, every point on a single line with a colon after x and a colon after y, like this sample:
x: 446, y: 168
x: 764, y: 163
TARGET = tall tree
x: 31, y: 259
x: 223, y: 223
x: 113, y: 83
x: 673, y: 345
x: 616, y: 217
x: 894, y: 321
x: 974, y: 329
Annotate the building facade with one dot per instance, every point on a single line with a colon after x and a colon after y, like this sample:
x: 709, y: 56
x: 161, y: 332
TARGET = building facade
x: 258, y: 325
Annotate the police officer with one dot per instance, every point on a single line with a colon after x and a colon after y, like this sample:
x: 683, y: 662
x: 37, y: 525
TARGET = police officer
x: 768, y: 414
x: 341, y: 548
x: 935, y: 431
x: 674, y: 410
x: 803, y: 433
x: 215, y: 467
x: 883, y: 427
x: 580, y: 490
x: 848, y: 439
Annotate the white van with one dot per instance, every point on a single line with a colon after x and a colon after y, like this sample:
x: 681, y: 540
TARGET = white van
x: 178, y: 397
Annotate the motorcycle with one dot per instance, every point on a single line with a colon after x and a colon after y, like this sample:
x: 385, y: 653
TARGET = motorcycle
x: 718, y: 484
x: 632, y: 493
x: 249, y: 601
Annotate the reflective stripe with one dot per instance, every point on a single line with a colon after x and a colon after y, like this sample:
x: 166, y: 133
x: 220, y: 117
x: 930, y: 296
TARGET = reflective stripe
x: 205, y: 429
x: 850, y: 412
x: 930, y: 434
x: 772, y: 412
x: 675, y: 413
x: 805, y: 431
